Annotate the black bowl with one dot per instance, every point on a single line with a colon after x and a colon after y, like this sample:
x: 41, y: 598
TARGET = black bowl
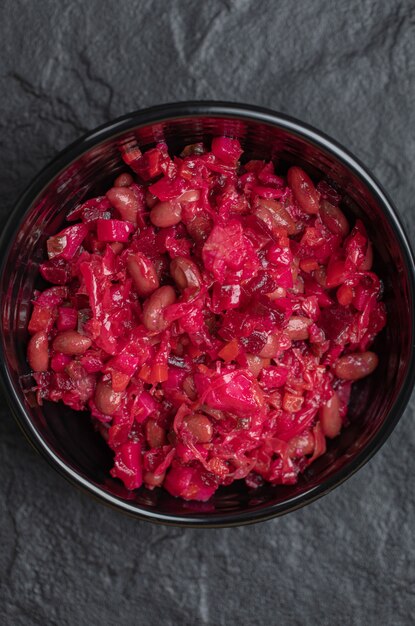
x: 67, y: 439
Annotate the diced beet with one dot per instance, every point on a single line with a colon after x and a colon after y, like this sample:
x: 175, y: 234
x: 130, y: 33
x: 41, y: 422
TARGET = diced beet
x: 67, y: 318
x: 128, y: 465
x: 114, y: 230
x: 66, y: 244
x: 42, y: 318
x: 56, y: 271
x: 273, y: 377
x: 226, y: 150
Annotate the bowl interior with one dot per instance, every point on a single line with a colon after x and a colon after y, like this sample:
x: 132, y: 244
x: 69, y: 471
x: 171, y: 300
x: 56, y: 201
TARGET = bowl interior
x: 70, y: 434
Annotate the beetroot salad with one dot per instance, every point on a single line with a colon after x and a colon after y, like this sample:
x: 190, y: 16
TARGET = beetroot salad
x: 211, y: 316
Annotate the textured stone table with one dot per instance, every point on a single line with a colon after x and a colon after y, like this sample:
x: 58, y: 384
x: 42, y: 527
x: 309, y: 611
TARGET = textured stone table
x: 349, y: 69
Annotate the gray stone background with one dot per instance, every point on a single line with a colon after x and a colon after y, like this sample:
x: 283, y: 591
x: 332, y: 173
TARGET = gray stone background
x: 349, y: 69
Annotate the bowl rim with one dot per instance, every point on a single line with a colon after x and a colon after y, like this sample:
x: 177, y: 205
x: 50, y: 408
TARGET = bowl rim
x: 224, y: 110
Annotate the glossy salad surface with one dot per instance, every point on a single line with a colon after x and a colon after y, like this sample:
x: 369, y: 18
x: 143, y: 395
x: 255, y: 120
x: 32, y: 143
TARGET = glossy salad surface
x: 210, y: 314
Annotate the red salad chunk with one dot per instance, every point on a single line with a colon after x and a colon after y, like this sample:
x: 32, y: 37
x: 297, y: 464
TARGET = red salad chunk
x: 210, y: 315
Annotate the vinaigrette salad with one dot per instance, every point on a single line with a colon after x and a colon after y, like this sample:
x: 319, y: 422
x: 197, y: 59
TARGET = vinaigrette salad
x: 210, y: 314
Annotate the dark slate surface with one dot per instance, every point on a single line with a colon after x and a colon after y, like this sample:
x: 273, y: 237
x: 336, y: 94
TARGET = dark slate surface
x: 349, y: 69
